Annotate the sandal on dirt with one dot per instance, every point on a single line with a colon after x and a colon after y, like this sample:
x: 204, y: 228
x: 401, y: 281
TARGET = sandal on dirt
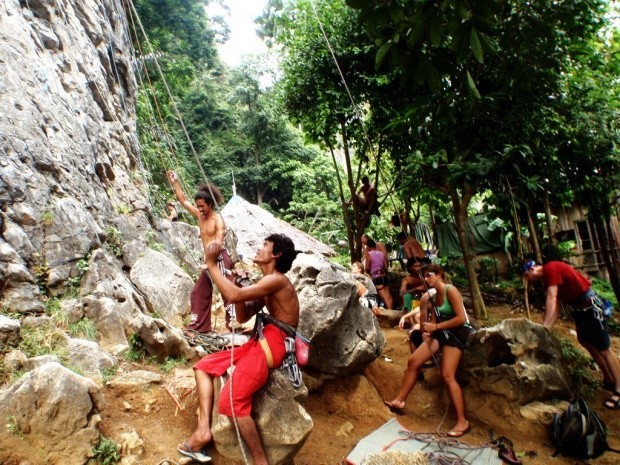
x: 197, y: 456
x: 506, y: 451
x: 394, y: 408
x: 613, y: 403
x: 508, y: 456
x: 456, y: 433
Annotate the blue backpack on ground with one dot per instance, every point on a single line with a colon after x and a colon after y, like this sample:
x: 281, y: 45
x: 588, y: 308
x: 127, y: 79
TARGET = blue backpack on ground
x: 579, y: 432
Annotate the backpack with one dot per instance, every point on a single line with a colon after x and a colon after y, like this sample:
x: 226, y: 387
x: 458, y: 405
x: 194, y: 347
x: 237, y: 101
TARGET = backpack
x: 579, y: 432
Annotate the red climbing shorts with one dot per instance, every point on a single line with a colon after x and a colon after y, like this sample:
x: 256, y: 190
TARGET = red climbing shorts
x: 250, y: 373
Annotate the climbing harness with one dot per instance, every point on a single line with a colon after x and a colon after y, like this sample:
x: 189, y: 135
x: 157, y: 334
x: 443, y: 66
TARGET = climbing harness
x: 290, y: 360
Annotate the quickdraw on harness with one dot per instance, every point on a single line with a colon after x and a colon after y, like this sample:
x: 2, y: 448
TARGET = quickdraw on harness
x: 290, y: 361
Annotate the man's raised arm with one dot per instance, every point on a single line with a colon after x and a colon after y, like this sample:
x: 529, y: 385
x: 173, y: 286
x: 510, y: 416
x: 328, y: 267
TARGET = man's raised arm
x: 180, y: 195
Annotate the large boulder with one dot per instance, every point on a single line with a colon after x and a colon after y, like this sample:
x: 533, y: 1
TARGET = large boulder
x: 164, y: 284
x: 283, y: 424
x: 514, y: 363
x: 51, y: 410
x: 345, y: 336
x: 19, y: 291
x: 160, y: 339
x: 90, y: 358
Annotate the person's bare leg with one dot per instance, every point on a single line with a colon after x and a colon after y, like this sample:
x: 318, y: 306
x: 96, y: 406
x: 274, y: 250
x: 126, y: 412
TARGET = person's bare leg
x: 599, y: 360
x: 611, y: 362
x: 386, y: 296
x: 202, y: 434
x: 249, y: 433
x: 413, y: 370
x: 449, y: 364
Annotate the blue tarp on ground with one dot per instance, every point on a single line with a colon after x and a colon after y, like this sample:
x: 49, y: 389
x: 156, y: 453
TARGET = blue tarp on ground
x: 480, y: 237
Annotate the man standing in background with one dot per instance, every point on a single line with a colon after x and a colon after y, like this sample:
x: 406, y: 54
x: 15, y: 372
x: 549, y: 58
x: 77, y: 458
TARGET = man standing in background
x: 212, y: 229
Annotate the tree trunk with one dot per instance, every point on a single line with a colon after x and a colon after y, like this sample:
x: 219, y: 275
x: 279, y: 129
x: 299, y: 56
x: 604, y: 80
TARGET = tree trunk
x: 351, y: 239
x: 605, y: 243
x: 459, y: 206
x: 549, y: 218
x: 614, y: 248
x: 407, y: 226
x: 531, y: 226
x: 259, y: 191
x: 361, y: 218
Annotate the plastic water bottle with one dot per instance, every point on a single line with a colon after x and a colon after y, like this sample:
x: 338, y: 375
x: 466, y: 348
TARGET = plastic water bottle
x: 607, y: 308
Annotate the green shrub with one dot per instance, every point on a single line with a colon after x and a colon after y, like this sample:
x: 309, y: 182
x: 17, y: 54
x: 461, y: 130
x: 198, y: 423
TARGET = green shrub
x: 487, y: 269
x: 114, y: 241
x: 107, y: 374
x: 171, y: 363
x: 604, y: 289
x: 584, y: 383
x: 106, y: 452
x: 136, y: 350
x: 12, y: 427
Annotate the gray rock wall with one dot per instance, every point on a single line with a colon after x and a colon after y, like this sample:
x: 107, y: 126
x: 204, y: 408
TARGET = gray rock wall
x: 69, y: 157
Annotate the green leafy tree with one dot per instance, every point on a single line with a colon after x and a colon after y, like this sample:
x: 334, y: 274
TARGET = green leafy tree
x: 317, y: 99
x: 469, y: 67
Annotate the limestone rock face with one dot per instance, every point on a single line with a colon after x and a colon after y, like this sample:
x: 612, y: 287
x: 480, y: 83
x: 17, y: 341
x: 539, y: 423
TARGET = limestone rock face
x: 345, y: 336
x: 69, y: 156
x: 9, y: 331
x: 167, y: 286
x: 56, y: 412
x: 517, y: 361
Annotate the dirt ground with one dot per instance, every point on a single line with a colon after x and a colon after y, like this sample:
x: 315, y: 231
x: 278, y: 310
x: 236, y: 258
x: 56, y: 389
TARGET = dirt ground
x: 346, y: 410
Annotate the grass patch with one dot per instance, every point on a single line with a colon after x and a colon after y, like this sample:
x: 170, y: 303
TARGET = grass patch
x: 12, y: 427
x: 171, y: 363
x: 107, y: 374
x: 43, y: 341
x: 137, y: 349
x: 84, y: 329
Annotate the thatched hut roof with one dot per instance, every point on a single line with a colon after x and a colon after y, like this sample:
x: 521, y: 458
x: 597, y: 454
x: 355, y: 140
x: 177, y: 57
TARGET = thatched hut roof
x: 252, y: 224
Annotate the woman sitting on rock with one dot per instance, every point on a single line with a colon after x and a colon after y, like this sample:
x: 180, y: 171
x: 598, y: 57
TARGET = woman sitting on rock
x: 447, y: 331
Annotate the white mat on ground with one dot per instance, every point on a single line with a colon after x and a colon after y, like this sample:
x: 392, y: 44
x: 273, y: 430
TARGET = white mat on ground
x: 393, y: 436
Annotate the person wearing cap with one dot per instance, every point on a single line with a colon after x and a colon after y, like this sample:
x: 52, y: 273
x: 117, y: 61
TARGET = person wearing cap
x: 566, y: 284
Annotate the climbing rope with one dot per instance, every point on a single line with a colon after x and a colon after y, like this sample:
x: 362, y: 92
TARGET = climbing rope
x: 135, y: 15
x: 442, y: 456
x: 211, y: 341
x: 356, y: 107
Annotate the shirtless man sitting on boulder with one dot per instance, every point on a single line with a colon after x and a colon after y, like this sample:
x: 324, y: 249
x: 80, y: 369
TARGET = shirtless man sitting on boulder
x: 275, y: 291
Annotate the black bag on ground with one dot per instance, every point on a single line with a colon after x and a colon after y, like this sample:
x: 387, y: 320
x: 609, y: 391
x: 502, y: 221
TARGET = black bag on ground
x: 579, y: 432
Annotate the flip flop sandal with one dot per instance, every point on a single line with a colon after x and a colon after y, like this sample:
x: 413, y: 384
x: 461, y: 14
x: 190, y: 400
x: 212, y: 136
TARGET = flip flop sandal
x: 393, y: 408
x: 613, y: 403
x: 507, y: 454
x: 197, y: 456
x: 459, y: 433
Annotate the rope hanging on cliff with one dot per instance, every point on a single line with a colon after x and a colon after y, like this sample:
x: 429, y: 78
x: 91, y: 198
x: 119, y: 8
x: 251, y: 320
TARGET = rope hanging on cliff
x: 134, y: 13
x: 174, y: 105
